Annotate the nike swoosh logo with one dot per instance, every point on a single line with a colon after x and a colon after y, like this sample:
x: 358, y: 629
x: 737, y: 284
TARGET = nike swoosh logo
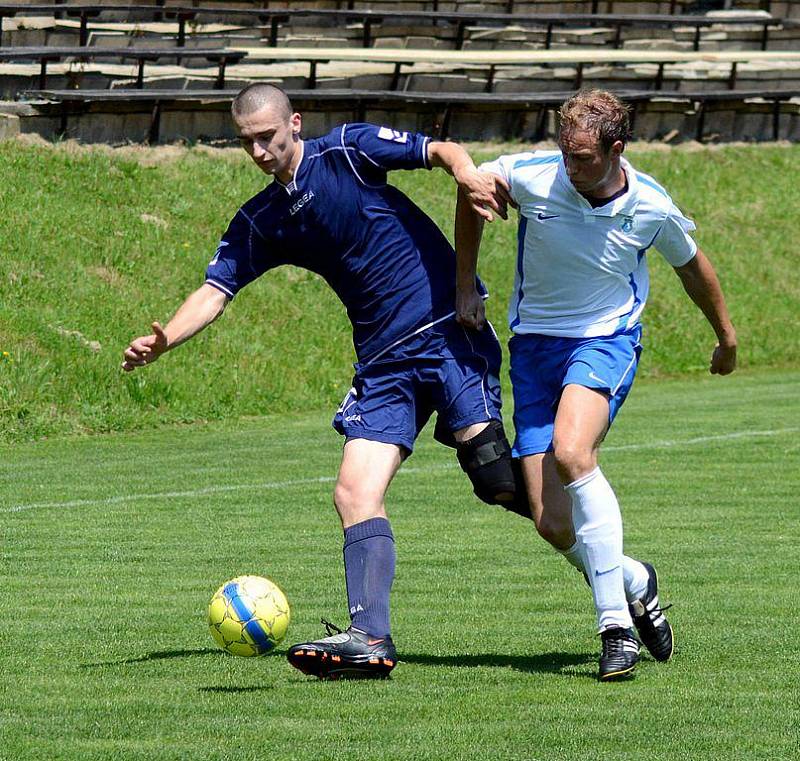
x: 374, y: 641
x: 603, y: 573
x: 542, y: 215
x: 594, y: 377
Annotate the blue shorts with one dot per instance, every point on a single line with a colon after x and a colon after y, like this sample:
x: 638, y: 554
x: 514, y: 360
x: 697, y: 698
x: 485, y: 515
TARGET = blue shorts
x: 542, y: 365
x: 456, y: 375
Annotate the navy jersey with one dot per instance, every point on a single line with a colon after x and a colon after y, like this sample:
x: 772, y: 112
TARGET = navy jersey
x: 386, y: 260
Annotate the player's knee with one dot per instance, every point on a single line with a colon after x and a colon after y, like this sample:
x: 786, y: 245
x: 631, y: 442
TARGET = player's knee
x: 572, y: 461
x: 353, y: 500
x: 496, y: 477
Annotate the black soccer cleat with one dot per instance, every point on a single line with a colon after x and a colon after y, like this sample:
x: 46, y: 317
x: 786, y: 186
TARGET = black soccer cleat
x: 620, y: 654
x: 350, y: 654
x: 651, y: 623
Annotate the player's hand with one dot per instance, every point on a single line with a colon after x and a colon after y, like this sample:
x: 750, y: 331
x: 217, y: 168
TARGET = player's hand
x: 486, y: 192
x: 723, y: 360
x: 470, y: 310
x: 145, y: 349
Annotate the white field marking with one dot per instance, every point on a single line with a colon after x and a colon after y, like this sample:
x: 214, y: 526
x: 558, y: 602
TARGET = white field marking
x: 664, y: 444
x: 701, y: 440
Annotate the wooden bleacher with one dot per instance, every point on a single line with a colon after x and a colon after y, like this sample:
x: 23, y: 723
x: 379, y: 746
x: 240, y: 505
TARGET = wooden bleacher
x: 47, y: 55
x: 444, y: 107
x: 255, y: 63
x: 456, y: 24
x: 491, y: 61
x: 511, y: 6
x: 503, y: 92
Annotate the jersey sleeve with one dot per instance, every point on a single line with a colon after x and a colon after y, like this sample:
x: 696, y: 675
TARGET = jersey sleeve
x: 673, y: 241
x: 372, y: 149
x: 241, y: 257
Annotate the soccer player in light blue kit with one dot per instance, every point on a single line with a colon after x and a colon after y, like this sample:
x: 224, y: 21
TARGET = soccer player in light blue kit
x: 586, y: 220
x: 329, y: 209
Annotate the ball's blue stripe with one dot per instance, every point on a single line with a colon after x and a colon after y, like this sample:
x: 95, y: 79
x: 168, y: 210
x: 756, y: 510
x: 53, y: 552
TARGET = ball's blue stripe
x: 246, y: 613
x: 264, y: 643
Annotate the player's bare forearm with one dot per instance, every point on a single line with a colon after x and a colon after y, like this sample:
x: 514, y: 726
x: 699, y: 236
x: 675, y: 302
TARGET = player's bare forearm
x: 468, y: 231
x: 486, y: 192
x: 701, y: 283
x: 200, y: 309
x: 451, y: 157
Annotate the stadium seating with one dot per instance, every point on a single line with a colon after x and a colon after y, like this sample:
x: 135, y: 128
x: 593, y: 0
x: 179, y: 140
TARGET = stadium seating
x: 442, y: 57
x: 44, y: 56
x: 428, y: 29
x: 152, y: 115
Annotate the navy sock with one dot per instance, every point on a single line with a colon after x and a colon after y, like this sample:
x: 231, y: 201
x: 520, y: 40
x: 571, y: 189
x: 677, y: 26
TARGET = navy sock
x: 369, y: 559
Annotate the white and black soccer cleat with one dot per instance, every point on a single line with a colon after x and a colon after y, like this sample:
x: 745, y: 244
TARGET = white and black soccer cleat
x: 346, y: 654
x: 620, y: 653
x: 651, y: 623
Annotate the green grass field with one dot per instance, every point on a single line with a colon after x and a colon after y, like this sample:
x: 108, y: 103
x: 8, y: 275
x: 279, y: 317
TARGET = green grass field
x: 97, y: 245
x: 112, y: 546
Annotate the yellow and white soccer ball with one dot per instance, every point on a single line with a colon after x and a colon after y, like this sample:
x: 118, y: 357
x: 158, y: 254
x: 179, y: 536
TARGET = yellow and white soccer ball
x: 248, y: 615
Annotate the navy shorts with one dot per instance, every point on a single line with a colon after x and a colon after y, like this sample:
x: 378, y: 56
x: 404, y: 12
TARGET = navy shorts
x: 542, y: 365
x: 456, y: 374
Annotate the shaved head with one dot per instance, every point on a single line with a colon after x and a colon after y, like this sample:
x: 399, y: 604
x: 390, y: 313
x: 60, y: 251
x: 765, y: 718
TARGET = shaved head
x: 261, y: 95
x: 268, y: 129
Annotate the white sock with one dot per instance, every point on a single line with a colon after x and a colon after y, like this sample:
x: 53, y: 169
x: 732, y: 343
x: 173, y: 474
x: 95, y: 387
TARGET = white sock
x: 634, y: 573
x: 636, y: 578
x: 574, y: 556
x: 598, y: 530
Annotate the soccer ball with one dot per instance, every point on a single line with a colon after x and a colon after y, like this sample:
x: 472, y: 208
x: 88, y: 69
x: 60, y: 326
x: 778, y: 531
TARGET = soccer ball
x: 248, y: 615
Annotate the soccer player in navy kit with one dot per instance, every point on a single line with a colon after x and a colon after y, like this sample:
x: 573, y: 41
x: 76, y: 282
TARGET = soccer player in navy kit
x: 329, y: 209
x: 586, y: 220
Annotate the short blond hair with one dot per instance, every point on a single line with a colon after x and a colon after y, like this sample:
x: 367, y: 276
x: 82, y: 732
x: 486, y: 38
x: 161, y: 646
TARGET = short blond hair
x: 599, y: 112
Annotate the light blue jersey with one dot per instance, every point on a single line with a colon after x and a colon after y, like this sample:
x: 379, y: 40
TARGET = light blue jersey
x: 581, y: 271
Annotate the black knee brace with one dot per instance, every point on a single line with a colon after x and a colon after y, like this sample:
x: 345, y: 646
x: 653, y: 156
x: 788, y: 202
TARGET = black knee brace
x: 495, y: 475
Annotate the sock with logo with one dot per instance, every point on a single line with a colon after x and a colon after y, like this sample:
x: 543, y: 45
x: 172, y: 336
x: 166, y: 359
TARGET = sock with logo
x: 598, y: 530
x: 369, y: 561
x: 633, y: 572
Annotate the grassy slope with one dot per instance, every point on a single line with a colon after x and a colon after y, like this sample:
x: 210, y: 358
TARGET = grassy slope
x: 77, y: 256
x: 105, y: 652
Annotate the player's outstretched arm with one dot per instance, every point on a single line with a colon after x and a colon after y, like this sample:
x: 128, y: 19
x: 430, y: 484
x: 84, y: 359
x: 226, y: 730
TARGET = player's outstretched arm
x: 200, y: 309
x: 485, y: 192
x: 701, y: 283
x: 470, y: 310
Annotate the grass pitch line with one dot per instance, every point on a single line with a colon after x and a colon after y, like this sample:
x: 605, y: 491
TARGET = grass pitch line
x: 667, y: 444
x: 121, y: 499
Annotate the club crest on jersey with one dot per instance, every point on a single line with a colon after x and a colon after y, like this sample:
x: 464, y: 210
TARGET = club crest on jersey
x: 385, y: 133
x: 301, y: 202
x: 627, y: 224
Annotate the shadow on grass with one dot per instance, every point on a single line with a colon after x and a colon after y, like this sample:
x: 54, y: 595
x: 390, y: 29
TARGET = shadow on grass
x: 233, y: 689
x: 157, y: 656
x: 566, y: 664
